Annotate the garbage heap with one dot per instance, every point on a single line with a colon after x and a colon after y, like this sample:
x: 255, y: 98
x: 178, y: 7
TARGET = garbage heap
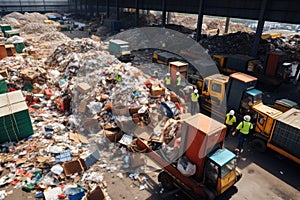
x: 241, y: 43
x: 87, y: 108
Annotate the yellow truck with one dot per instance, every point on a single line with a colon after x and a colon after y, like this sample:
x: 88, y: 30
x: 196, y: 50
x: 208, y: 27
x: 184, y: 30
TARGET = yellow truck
x: 279, y: 131
x: 237, y: 91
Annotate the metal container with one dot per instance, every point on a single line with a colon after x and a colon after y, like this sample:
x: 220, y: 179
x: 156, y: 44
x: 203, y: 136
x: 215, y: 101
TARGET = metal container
x: 286, y: 134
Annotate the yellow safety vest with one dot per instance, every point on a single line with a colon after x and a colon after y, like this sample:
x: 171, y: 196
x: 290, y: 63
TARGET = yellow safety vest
x: 195, y: 97
x: 118, y: 78
x: 244, y: 127
x: 230, y: 121
x: 168, y: 80
x: 178, y: 81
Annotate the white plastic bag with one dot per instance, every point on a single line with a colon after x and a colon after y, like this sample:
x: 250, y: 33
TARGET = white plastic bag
x: 186, y: 167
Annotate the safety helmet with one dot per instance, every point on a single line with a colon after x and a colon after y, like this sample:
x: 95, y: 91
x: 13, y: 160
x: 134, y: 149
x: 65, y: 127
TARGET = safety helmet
x: 231, y: 112
x: 195, y: 91
x: 120, y: 73
x: 177, y: 73
x: 155, y: 72
x: 168, y: 74
x: 247, y: 118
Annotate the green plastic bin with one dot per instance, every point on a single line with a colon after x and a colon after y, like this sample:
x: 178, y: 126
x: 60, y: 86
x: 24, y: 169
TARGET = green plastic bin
x: 5, y: 27
x: 3, y: 87
x: 19, y: 46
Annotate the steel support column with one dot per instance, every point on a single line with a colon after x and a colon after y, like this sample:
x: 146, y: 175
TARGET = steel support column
x: 21, y: 5
x: 107, y: 8
x: 259, y: 29
x: 199, y: 21
x: 97, y: 8
x: 81, y: 7
x: 169, y: 16
x: 86, y: 9
x: 164, y: 13
x: 137, y: 12
x: 118, y: 10
x: 76, y: 8
x: 227, y: 24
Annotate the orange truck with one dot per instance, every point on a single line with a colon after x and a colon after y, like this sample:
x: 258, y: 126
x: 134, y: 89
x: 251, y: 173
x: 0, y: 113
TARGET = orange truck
x: 202, y: 144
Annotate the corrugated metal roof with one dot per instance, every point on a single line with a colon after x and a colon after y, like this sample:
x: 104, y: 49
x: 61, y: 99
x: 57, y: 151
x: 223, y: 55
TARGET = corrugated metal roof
x: 291, y: 117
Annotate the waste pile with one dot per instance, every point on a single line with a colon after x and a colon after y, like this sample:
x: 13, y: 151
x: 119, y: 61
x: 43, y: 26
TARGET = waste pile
x: 86, y: 109
x: 241, y: 43
x: 35, y: 28
x: 18, y: 20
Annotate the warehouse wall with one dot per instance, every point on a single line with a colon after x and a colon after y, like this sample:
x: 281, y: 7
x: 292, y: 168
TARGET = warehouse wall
x: 7, y: 6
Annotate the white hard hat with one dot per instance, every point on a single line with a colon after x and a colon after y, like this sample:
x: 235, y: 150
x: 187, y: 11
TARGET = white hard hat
x: 177, y: 73
x: 247, y: 118
x: 195, y: 91
x: 168, y: 74
x: 231, y: 112
x: 120, y: 73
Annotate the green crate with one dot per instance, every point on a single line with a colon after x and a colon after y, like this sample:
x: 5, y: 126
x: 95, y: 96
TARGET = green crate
x: 5, y: 27
x: 3, y: 87
x: 16, y: 126
x: 19, y: 46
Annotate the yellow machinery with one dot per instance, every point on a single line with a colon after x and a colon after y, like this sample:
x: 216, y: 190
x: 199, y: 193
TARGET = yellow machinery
x: 271, y: 35
x: 229, y: 64
x: 237, y: 91
x: 278, y: 131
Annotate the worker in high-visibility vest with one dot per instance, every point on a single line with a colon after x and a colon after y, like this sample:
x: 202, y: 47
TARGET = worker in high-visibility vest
x: 178, y: 82
x: 178, y: 79
x: 119, y: 76
x: 155, y: 74
x: 244, y: 128
x: 194, y: 101
x: 168, y: 80
x: 229, y: 122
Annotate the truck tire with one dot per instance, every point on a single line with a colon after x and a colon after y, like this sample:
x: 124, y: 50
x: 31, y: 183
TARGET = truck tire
x: 209, y: 194
x: 166, y: 180
x: 259, y: 145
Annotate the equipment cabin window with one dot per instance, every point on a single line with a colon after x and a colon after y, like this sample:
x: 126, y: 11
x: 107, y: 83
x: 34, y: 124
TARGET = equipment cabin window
x: 216, y: 87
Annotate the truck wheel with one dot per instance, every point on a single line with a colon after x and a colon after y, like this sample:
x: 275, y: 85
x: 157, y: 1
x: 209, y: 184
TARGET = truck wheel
x: 166, y: 180
x: 209, y: 194
x: 259, y: 145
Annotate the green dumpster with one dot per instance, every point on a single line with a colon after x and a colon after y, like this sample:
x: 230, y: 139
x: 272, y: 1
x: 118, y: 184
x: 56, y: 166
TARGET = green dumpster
x: 3, y: 87
x: 19, y: 46
x: 5, y: 27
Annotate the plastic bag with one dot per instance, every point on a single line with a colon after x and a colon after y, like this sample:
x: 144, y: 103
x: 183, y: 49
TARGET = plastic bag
x: 186, y: 167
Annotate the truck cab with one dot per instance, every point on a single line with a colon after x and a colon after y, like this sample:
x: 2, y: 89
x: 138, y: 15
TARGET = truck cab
x: 220, y: 170
x: 250, y: 98
x: 214, y: 89
x: 220, y: 93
